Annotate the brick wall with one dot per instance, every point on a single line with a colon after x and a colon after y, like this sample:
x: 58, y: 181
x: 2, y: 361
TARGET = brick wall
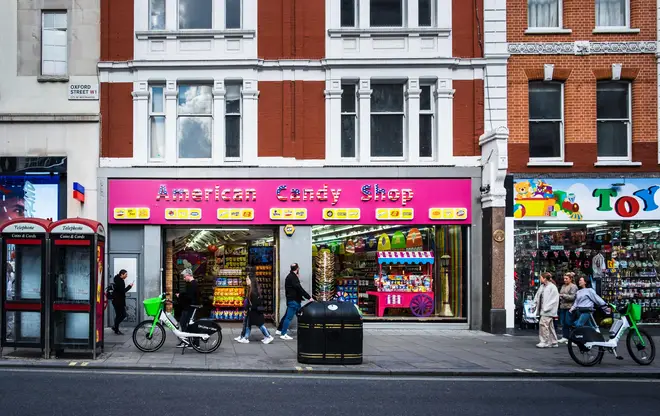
x: 291, y: 29
x: 116, y: 119
x: 581, y: 74
x: 292, y: 119
x: 117, y: 30
x: 467, y: 29
x: 468, y: 117
x: 580, y: 17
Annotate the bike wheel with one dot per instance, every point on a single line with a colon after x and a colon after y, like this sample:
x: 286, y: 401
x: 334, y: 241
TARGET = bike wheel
x: 583, y: 356
x: 209, y: 345
x: 633, y: 344
x: 142, y: 340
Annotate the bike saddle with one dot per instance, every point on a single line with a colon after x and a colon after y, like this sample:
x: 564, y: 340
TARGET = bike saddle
x: 196, y: 306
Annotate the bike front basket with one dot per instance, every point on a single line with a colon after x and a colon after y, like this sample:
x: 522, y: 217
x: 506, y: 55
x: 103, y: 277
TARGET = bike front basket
x: 151, y: 306
x: 635, y: 312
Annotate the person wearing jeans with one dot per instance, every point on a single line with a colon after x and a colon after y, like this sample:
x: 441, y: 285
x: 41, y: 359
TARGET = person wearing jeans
x: 256, y: 312
x: 566, y: 298
x: 294, y: 297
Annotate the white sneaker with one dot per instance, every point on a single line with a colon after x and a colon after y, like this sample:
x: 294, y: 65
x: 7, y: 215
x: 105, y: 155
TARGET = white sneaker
x: 238, y: 338
x: 542, y: 345
x: 286, y: 337
x: 267, y: 340
x: 244, y: 341
x: 278, y: 332
x: 562, y: 341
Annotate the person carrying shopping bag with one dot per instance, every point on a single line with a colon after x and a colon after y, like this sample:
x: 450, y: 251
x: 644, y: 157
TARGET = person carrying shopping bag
x: 256, y: 312
x: 545, y: 304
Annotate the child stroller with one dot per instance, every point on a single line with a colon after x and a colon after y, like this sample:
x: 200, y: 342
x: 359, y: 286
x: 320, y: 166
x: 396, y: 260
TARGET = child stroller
x: 529, y: 318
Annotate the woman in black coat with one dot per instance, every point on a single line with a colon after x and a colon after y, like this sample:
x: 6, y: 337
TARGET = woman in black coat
x: 255, y: 312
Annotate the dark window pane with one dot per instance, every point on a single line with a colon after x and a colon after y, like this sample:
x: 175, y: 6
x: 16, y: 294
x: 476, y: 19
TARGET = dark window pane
x: 233, y: 14
x: 347, y: 13
x: 612, y: 100
x: 544, y: 101
x: 195, y: 14
x: 426, y: 135
x: 425, y: 98
x: 232, y: 136
x: 544, y: 139
x: 386, y: 98
x: 612, y: 139
x: 348, y: 98
x: 387, y: 136
x: 348, y: 136
x: 386, y: 13
x: 425, y: 11
x: 233, y: 99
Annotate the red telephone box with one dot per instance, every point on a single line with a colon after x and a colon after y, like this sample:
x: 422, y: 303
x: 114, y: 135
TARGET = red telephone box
x: 24, y: 245
x: 77, y: 285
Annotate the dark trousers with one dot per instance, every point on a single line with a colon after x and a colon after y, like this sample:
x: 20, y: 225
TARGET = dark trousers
x: 120, y: 313
x: 186, y: 313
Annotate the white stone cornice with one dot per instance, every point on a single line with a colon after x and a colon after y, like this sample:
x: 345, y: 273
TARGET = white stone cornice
x: 582, y: 48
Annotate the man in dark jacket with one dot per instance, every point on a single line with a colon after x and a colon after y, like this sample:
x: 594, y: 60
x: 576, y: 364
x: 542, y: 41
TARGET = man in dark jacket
x: 119, y: 299
x: 186, y: 300
x: 294, y: 297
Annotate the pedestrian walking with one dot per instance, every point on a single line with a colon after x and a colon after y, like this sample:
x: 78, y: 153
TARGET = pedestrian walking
x: 279, y: 326
x: 294, y: 297
x: 586, y: 299
x: 546, y: 303
x: 119, y: 299
x: 246, y: 310
x: 566, y: 299
x: 256, y: 312
x: 186, y: 301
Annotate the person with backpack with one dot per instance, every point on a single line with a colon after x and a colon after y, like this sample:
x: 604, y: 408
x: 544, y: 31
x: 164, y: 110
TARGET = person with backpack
x: 117, y: 292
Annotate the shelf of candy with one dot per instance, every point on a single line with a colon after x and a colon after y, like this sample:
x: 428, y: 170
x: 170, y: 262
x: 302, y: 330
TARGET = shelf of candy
x: 403, y: 283
x: 325, y: 273
x: 228, y: 297
x: 229, y: 281
x: 347, y: 290
x: 227, y: 315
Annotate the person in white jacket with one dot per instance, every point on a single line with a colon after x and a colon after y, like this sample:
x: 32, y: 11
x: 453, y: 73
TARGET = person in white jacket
x: 546, y: 303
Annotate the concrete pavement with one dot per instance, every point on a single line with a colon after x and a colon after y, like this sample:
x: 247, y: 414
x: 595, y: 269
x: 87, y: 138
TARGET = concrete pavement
x: 386, y: 352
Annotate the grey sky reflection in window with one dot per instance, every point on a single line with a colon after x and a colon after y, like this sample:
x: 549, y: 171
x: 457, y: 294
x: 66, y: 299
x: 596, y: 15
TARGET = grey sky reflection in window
x: 195, y: 14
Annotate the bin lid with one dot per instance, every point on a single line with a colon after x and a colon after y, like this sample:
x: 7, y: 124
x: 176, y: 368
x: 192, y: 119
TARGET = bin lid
x: 322, y: 311
x: 25, y: 225
x: 410, y: 257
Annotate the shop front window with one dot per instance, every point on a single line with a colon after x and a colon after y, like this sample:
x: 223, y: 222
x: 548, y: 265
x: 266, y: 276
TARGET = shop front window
x: 619, y: 258
x: 393, y: 272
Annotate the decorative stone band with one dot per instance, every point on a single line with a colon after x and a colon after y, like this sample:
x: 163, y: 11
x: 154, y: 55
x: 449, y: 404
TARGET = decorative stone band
x: 582, y: 48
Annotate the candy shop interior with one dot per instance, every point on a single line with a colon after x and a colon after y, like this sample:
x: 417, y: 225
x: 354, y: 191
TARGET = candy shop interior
x: 220, y: 259
x: 621, y: 259
x: 393, y: 272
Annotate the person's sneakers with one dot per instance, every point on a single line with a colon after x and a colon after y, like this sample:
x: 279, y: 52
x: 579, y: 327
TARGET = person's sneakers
x: 542, y: 345
x: 244, y: 341
x: 286, y: 337
x: 562, y: 341
x: 238, y: 338
x: 555, y: 346
x: 278, y: 332
x: 267, y: 340
x: 117, y: 331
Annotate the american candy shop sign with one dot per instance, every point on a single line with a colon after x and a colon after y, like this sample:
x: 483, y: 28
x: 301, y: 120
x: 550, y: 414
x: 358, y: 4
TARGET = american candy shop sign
x: 282, y: 201
x: 587, y: 199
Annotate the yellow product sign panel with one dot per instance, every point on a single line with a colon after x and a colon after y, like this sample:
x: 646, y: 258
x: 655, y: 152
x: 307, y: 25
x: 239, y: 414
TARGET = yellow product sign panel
x: 182, y: 213
x: 170, y: 213
x: 448, y: 214
x: 276, y: 214
x: 354, y: 213
x: 195, y: 214
x: 329, y: 214
x: 461, y: 213
x: 223, y: 214
x: 119, y: 213
x: 342, y: 214
x: 382, y: 214
x: 435, y: 213
x: 301, y: 214
x: 395, y: 213
x: 235, y: 214
x: 407, y: 214
x: 144, y: 213
x: 131, y: 213
x: 247, y: 214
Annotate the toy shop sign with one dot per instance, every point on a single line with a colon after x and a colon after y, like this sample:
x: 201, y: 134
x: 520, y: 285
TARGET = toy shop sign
x: 274, y: 201
x: 587, y: 199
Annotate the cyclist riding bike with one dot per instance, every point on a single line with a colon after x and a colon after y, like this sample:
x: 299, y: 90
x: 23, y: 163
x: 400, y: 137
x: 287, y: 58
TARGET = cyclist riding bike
x: 585, y: 303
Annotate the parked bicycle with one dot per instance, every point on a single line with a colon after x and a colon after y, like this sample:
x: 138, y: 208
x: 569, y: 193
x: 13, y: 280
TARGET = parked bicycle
x: 203, y: 335
x: 587, y: 345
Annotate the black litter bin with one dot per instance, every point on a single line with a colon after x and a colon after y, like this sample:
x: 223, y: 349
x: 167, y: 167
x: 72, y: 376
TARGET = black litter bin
x: 329, y: 333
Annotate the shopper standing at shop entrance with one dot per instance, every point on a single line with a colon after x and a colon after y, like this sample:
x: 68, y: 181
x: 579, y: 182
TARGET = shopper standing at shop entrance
x: 294, y: 297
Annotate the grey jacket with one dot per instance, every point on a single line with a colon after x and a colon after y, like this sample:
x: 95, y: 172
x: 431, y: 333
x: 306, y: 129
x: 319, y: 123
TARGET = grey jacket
x: 567, y: 295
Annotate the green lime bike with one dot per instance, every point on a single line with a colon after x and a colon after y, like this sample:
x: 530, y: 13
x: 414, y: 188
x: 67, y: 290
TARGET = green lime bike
x: 203, y: 335
x: 587, y: 346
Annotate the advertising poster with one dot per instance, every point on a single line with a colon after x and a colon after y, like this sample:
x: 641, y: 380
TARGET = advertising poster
x: 29, y: 196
